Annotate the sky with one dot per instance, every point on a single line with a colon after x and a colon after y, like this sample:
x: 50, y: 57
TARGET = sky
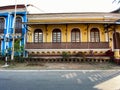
x: 62, y: 6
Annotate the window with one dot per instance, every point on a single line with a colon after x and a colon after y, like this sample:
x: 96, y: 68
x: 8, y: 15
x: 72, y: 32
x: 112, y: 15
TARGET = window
x: 94, y: 35
x: 56, y: 35
x: 38, y: 35
x: 2, y: 24
x: 18, y: 25
x: 75, y: 35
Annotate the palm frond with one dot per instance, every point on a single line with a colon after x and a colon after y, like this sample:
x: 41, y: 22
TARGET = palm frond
x: 118, y: 1
x: 114, y: 1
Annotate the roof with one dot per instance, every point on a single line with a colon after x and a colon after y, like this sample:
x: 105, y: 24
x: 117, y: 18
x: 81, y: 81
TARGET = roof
x: 64, y: 18
x: 12, y: 7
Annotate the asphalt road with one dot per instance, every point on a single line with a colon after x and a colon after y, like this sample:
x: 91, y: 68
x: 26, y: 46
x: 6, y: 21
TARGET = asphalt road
x: 54, y: 80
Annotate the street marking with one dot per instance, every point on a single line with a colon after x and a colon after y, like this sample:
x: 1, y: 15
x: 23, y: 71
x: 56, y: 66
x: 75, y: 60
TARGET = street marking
x: 96, y: 75
x: 91, y: 79
x: 74, y: 74
x: 95, y: 79
x: 69, y: 75
x: 79, y: 81
x: 99, y: 75
x: 84, y: 72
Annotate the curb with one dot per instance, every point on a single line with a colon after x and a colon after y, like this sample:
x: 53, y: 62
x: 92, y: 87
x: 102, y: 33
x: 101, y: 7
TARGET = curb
x: 53, y: 70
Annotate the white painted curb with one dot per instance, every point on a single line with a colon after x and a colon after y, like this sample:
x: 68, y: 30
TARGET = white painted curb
x: 54, y: 70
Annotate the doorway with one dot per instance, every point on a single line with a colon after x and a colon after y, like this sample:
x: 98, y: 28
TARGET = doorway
x: 116, y: 40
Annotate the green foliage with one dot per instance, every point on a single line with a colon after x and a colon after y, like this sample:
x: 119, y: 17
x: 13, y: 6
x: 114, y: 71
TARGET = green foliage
x: 19, y: 59
x: 65, y: 55
x: 80, y: 54
x: 17, y: 45
x: 17, y: 48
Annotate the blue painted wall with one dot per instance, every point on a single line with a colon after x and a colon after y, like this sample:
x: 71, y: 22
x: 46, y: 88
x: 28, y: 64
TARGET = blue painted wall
x: 6, y: 38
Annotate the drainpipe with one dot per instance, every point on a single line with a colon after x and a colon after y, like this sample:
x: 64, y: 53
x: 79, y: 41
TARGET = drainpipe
x: 88, y: 35
x: 46, y: 31
x: 66, y: 35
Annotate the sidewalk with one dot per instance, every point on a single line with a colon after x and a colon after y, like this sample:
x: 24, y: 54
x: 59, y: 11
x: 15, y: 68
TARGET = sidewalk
x: 112, y: 84
x: 63, y: 66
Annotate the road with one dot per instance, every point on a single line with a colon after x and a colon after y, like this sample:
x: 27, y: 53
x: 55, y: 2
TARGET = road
x: 58, y: 80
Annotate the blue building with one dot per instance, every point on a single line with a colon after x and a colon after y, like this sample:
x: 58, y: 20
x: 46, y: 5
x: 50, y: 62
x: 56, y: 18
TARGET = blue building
x: 7, y: 19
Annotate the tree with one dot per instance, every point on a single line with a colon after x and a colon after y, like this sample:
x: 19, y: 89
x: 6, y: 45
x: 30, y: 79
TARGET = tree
x: 17, y: 48
x: 118, y: 1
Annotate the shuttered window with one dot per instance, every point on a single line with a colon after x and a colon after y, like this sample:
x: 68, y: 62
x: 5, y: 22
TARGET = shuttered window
x: 2, y: 24
x: 18, y: 25
x: 38, y: 36
x: 56, y: 35
x: 94, y: 35
x: 75, y: 35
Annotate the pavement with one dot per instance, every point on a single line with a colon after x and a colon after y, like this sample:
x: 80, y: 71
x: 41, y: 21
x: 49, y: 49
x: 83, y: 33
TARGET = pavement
x: 61, y: 66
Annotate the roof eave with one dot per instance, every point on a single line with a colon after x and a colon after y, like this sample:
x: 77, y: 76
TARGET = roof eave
x: 35, y: 23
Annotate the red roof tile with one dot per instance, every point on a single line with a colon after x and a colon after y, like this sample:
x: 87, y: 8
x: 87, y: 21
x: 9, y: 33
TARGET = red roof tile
x: 12, y: 7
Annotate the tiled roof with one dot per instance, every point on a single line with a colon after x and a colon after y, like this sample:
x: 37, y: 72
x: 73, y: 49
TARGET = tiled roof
x: 11, y: 7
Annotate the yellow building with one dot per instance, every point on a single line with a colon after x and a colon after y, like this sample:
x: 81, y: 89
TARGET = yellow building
x: 51, y: 34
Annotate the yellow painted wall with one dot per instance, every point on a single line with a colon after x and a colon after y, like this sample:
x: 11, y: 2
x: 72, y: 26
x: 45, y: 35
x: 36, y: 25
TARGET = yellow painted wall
x: 66, y: 31
x: 50, y: 28
x: 117, y: 54
x: 101, y: 31
x: 32, y: 28
x: 82, y: 29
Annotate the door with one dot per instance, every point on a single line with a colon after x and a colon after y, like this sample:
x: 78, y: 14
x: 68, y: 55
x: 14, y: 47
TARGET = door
x: 116, y: 40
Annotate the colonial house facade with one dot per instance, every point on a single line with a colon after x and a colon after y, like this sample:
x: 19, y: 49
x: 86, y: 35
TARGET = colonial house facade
x: 52, y: 34
x: 7, y: 15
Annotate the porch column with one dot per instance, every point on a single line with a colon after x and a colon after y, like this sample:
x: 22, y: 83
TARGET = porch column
x: 116, y: 46
x: 46, y: 32
x: 88, y: 35
x: 66, y: 35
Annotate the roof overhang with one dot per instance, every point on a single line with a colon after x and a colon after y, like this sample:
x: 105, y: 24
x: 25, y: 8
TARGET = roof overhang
x: 11, y: 8
x: 72, y: 18
x: 81, y: 22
